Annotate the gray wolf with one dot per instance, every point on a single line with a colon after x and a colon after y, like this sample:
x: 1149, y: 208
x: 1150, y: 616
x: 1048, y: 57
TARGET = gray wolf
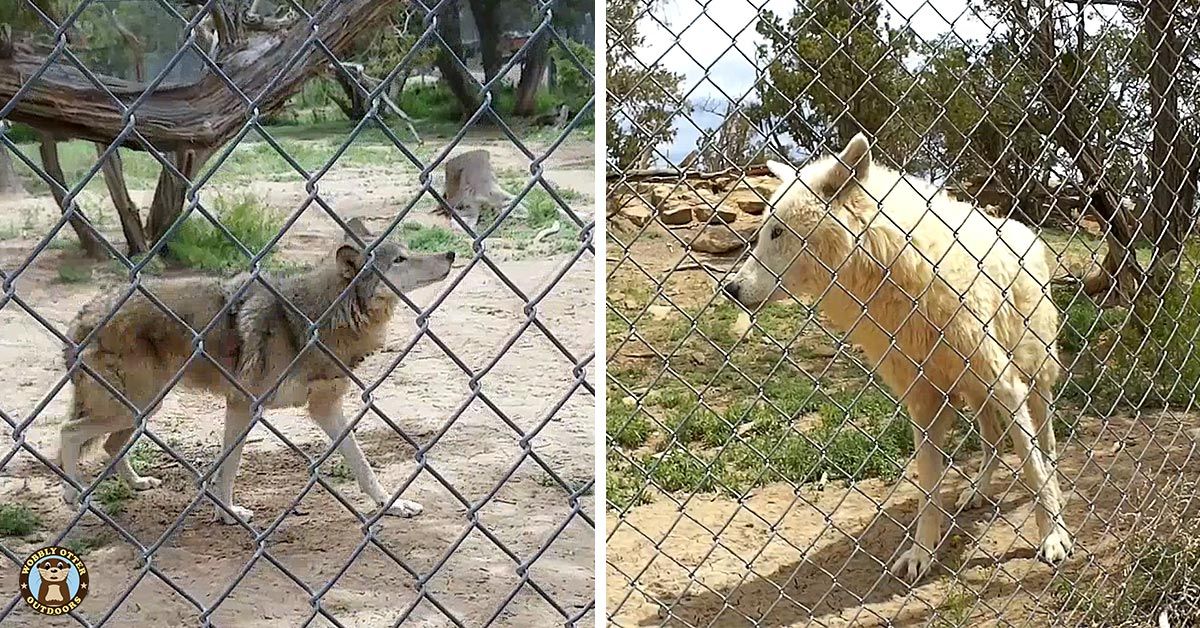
x: 141, y: 349
x: 948, y: 305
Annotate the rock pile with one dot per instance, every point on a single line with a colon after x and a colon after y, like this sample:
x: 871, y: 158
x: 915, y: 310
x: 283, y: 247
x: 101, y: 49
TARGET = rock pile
x: 715, y: 215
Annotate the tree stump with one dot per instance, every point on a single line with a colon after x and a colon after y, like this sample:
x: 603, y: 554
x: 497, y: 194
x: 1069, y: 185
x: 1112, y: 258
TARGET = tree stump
x: 10, y: 184
x: 471, y: 186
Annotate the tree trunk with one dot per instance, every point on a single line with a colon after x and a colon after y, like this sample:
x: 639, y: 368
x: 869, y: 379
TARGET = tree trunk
x: 449, y: 65
x: 533, y: 71
x: 89, y: 239
x: 355, y: 105
x: 131, y: 222
x: 1119, y: 276
x: 171, y: 191
x: 487, y: 20
x: 204, y: 112
x: 1172, y: 152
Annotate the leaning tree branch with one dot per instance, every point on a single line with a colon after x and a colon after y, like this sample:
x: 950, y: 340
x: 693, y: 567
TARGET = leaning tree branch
x: 199, y: 114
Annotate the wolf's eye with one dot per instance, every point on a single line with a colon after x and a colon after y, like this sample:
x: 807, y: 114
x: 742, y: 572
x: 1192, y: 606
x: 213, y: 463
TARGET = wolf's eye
x: 776, y: 232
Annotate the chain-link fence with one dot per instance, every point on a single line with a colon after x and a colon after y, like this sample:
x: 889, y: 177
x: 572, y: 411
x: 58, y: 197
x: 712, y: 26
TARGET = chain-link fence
x: 319, y: 238
x: 962, y: 395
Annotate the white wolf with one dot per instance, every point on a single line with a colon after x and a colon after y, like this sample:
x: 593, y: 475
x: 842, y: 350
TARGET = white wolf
x: 946, y: 302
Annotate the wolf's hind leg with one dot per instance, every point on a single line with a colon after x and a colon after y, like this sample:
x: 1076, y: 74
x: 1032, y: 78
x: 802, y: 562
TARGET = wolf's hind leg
x: 237, y: 417
x: 125, y: 470
x: 326, y: 409
x: 992, y: 435
x: 76, y: 433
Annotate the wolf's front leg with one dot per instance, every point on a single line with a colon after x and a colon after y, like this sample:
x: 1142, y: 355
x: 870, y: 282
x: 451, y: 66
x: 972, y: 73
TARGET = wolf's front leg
x: 237, y: 417
x: 325, y: 407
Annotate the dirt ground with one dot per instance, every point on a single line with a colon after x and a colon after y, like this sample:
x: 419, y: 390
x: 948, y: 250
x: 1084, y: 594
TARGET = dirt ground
x: 548, y: 542
x: 787, y: 557
x: 818, y: 555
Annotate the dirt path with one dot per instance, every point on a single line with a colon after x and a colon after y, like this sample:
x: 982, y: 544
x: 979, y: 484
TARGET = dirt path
x: 512, y: 500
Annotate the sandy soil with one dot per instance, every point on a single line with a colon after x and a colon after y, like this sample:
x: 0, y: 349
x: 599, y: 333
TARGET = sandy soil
x: 481, y: 490
x: 808, y: 556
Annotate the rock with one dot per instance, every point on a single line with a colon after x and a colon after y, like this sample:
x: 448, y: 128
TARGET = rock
x: 657, y: 194
x: 741, y: 325
x: 676, y: 214
x: 765, y: 186
x: 637, y: 212
x: 660, y: 312
x: 704, y: 213
x: 753, y: 206
x: 718, y: 239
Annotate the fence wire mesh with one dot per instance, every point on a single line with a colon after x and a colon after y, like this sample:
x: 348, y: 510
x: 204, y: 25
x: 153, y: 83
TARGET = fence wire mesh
x: 290, y: 158
x: 962, y: 395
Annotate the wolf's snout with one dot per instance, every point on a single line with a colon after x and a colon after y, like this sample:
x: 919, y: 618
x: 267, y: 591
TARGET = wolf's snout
x: 731, y: 290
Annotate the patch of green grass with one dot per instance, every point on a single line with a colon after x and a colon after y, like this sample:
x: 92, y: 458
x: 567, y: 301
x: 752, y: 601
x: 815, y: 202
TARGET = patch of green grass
x: 1140, y: 357
x: 1083, y: 322
x: 626, y: 427
x: 144, y: 455
x: 197, y: 243
x: 433, y: 239
x: 539, y: 210
x: 17, y: 520
x: 11, y: 231
x: 623, y: 484
x: 435, y: 102
x: 68, y: 273
x: 1159, y: 571
x: 112, y: 495
x: 63, y: 243
x: 679, y: 470
x: 85, y: 545
x: 154, y: 268
x: 846, y: 435
x: 955, y: 609
x: 336, y: 469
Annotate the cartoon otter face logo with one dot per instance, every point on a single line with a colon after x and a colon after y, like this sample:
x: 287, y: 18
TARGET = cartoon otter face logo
x: 53, y: 581
x: 54, y: 572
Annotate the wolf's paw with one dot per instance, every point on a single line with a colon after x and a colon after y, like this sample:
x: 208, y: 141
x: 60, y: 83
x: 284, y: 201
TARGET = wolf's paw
x: 405, y: 508
x: 913, y: 564
x: 1056, y: 547
x: 970, y: 498
x: 228, y: 519
x: 145, y: 483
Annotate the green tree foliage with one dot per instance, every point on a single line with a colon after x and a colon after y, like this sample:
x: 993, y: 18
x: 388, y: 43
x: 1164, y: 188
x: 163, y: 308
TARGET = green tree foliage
x: 834, y: 69
x: 642, y: 101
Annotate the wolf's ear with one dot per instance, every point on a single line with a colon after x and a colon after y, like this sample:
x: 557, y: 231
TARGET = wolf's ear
x: 349, y: 260
x: 781, y: 171
x: 356, y: 226
x: 854, y: 162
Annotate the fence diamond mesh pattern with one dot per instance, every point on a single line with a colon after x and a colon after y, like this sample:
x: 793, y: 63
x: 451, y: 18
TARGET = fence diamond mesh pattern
x: 942, y: 374
x: 289, y: 237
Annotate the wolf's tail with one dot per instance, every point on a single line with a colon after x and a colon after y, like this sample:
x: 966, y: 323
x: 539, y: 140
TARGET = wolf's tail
x: 81, y: 326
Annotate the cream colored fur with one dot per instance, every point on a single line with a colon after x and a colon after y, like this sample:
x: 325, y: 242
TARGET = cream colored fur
x: 937, y: 295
